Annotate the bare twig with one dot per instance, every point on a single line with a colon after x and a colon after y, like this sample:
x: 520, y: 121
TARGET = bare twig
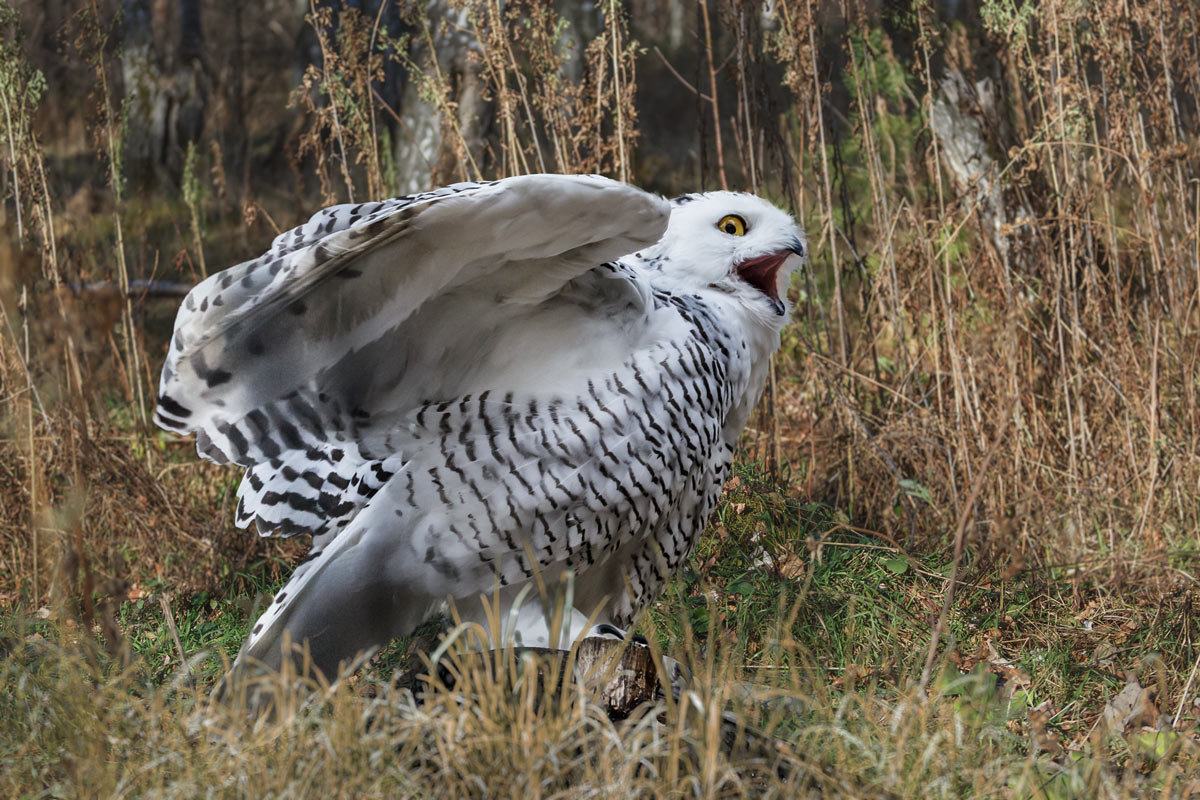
x: 681, y: 79
x: 828, y: 210
x: 170, y: 620
x: 136, y: 288
x: 377, y: 174
x: 712, y: 77
x: 964, y: 516
x: 1184, y: 695
x: 615, y: 32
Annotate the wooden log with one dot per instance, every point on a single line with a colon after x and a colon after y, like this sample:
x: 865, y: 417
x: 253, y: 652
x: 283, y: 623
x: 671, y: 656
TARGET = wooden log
x: 137, y: 288
x: 634, y: 678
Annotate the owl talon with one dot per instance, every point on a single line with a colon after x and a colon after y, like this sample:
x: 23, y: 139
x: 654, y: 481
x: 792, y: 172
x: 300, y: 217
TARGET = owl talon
x: 606, y: 631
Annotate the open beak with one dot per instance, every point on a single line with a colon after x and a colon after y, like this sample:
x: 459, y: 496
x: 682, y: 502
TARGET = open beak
x: 761, y: 272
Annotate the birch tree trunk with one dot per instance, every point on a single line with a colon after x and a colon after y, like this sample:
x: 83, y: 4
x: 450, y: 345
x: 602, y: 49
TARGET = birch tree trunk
x: 425, y: 154
x: 165, y: 84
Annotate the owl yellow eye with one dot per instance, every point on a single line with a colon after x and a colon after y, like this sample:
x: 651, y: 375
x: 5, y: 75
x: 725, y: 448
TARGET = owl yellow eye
x: 733, y: 225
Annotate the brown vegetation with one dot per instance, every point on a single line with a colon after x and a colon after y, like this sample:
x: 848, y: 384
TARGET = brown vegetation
x: 995, y: 359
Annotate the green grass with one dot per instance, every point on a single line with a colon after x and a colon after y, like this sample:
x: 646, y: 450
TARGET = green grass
x: 207, y: 625
x: 76, y: 722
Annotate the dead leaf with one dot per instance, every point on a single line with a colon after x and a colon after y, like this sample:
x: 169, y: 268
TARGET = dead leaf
x: 850, y: 677
x: 1089, y: 611
x: 1044, y: 740
x: 1014, y: 568
x: 1103, y: 655
x: 791, y: 566
x: 1012, y: 676
x: 1132, y: 708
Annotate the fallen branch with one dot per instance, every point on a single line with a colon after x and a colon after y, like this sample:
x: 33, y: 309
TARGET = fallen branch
x: 137, y: 288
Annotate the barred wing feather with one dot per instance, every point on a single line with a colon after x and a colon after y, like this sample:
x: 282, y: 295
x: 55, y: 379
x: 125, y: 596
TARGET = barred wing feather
x: 283, y: 364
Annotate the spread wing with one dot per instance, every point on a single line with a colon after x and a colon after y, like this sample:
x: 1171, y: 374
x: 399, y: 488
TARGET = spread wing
x: 291, y: 364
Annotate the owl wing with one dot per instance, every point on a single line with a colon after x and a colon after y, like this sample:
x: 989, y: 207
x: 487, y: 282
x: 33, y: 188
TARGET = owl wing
x: 288, y: 364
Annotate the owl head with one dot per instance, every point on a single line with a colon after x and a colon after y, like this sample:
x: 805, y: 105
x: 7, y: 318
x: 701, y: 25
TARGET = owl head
x: 734, y: 244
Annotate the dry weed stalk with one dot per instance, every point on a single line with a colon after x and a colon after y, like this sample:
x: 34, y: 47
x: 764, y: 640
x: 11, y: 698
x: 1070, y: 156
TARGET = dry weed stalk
x: 560, y: 110
x: 1082, y: 310
x: 337, y: 99
x: 92, y: 43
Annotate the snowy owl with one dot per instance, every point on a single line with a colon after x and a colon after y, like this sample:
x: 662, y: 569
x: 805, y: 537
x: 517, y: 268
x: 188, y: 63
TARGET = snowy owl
x: 455, y: 390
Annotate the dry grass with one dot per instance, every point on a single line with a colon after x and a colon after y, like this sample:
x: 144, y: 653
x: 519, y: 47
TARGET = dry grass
x: 979, y: 441
x: 1076, y: 323
x: 77, y: 725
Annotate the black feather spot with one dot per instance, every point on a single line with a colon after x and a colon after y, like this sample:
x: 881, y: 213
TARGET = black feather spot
x: 168, y: 404
x: 171, y: 423
x: 217, y: 377
x: 291, y: 436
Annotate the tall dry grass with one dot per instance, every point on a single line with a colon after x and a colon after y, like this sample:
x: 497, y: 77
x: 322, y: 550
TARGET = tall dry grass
x: 1009, y: 215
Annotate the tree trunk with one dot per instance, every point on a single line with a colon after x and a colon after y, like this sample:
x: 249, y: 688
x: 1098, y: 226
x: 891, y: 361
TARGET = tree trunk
x: 1004, y: 215
x: 165, y: 85
x: 425, y: 154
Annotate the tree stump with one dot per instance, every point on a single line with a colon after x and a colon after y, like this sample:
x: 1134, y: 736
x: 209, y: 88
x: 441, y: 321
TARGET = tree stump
x: 634, y: 677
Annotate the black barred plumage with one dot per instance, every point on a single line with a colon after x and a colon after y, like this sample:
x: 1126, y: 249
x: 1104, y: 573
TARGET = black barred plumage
x: 454, y: 390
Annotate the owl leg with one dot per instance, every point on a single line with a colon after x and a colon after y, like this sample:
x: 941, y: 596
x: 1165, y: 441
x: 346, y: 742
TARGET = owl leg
x: 524, y: 619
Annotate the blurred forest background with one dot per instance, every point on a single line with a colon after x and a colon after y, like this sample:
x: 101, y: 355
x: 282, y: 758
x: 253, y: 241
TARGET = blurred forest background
x: 993, y: 373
